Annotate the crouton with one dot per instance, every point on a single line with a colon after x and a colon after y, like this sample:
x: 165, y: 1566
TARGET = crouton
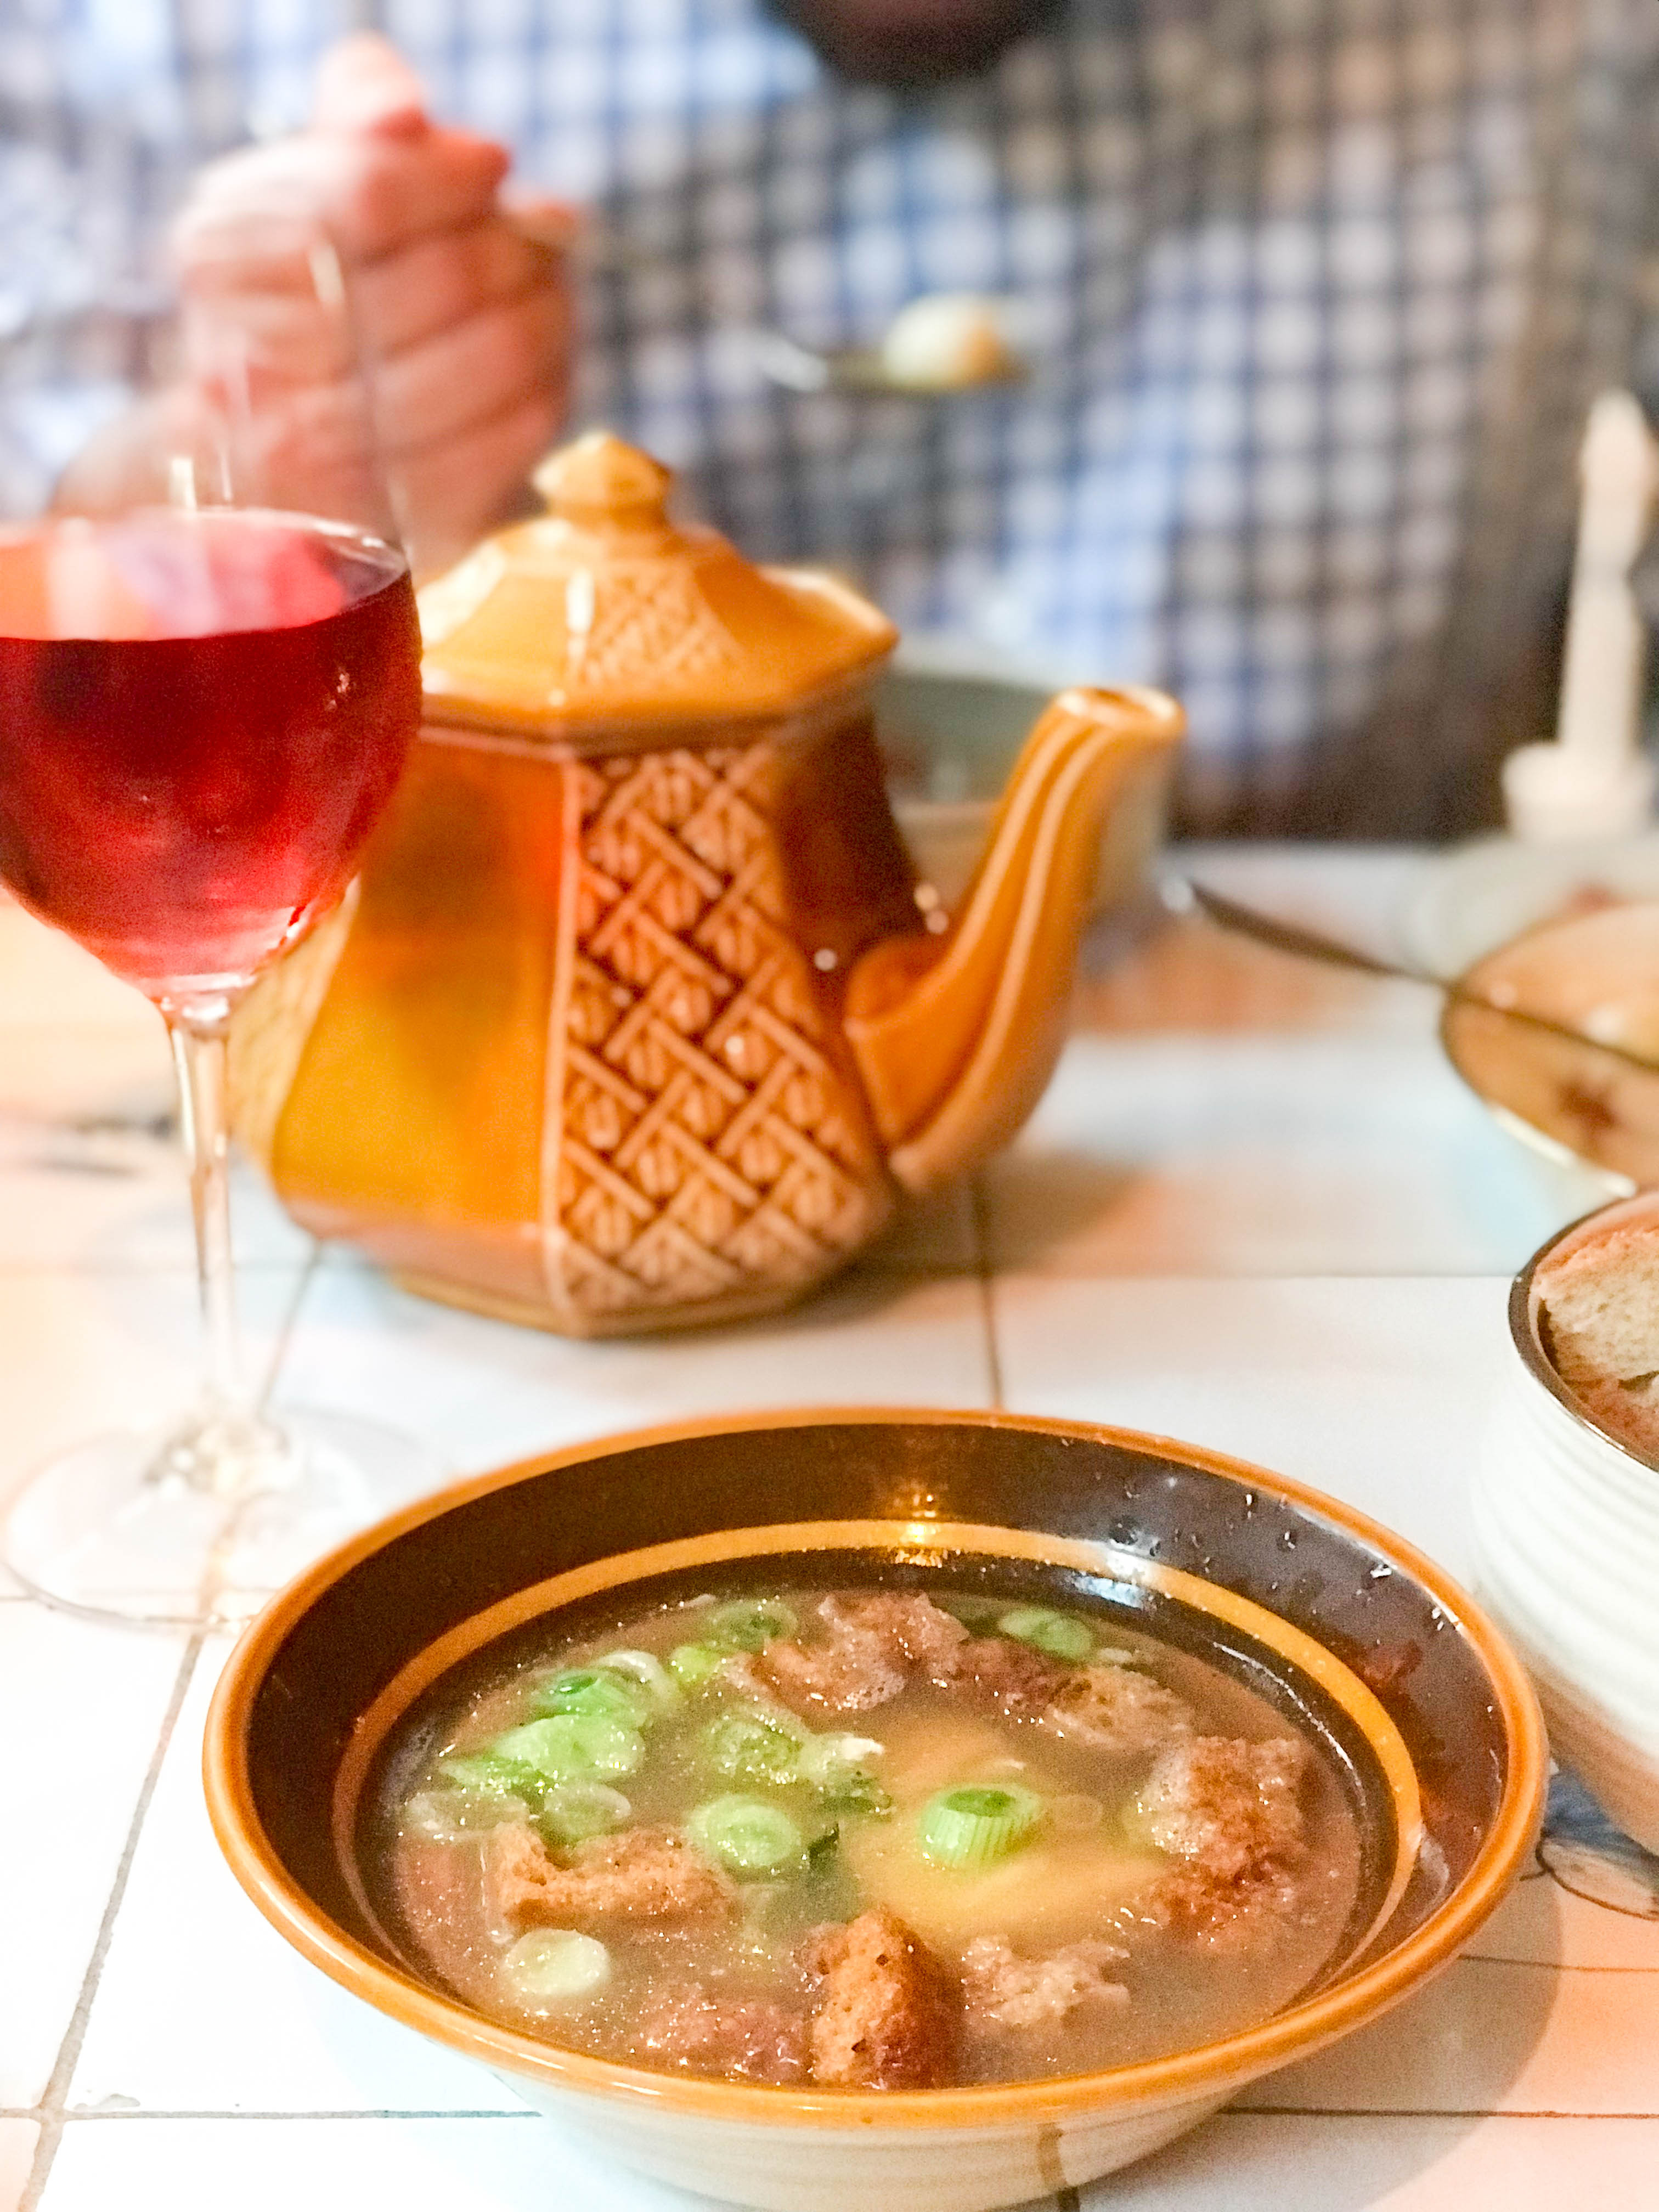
x: 888, y: 2014
x: 1116, y: 1709
x: 647, y: 1873
x: 1003, y: 1990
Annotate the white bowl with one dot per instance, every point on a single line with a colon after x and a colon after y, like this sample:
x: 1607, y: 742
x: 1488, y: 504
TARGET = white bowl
x: 1566, y: 1535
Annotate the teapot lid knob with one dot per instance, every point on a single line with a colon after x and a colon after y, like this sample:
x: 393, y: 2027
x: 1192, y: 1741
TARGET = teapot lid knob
x: 599, y: 476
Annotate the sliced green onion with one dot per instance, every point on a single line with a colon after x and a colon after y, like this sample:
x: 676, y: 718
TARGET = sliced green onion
x: 691, y: 1665
x: 1062, y: 1635
x: 857, y: 1792
x: 553, y: 1966
x: 594, y: 1692
x: 747, y: 1835
x: 975, y: 1613
x: 839, y: 1766
x: 486, y: 1776
x: 452, y: 1816
x: 651, y: 1676
x: 573, y: 1811
x: 819, y: 1847
x: 573, y: 1747
x: 829, y: 1760
x: 978, y: 1823
x: 748, y: 1624
x: 750, y: 1747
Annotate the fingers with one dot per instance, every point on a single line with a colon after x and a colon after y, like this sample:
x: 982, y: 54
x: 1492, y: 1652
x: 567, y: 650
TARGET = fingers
x: 432, y: 392
x: 314, y: 453
x: 454, y: 492
x: 371, y: 194
x: 269, y: 315
x: 555, y: 224
x: 460, y: 413
x: 363, y: 83
x: 406, y: 298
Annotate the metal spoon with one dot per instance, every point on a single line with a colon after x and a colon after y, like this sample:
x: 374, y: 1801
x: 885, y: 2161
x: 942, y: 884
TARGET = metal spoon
x: 782, y: 361
x: 1304, y: 944
x: 864, y: 369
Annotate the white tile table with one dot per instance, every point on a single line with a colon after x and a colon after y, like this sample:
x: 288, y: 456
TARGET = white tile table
x: 1254, y: 1210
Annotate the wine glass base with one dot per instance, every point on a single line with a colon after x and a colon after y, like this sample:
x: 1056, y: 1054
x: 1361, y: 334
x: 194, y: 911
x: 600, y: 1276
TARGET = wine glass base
x: 111, y: 1528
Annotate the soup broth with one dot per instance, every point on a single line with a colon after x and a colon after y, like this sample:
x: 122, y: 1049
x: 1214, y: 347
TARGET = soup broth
x: 868, y: 1838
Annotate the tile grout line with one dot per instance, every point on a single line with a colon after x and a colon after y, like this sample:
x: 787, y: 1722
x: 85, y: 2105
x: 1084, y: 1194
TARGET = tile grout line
x: 51, y: 2109
x: 979, y: 1214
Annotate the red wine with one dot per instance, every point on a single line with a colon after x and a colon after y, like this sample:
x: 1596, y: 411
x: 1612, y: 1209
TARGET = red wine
x: 202, y: 716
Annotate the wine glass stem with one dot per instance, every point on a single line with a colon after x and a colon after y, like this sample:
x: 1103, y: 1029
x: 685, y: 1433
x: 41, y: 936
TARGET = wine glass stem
x: 199, y: 1053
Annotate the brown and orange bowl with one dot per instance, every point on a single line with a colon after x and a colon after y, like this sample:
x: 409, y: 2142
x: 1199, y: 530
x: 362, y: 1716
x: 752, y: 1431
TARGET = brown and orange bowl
x: 1358, y: 1639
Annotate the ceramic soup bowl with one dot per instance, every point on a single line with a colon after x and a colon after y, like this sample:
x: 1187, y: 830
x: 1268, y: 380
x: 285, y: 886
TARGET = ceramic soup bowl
x: 1426, y: 1718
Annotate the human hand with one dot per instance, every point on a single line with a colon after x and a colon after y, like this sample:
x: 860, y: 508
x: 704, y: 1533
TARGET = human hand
x: 463, y: 321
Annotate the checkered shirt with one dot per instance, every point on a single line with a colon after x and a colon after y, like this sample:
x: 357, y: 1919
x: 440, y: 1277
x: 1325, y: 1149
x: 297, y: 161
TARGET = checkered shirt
x: 1316, y: 291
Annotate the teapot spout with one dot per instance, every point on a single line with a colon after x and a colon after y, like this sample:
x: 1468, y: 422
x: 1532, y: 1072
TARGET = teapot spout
x: 955, y: 1035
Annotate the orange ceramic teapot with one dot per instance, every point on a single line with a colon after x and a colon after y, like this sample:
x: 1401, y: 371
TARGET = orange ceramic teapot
x: 637, y: 1015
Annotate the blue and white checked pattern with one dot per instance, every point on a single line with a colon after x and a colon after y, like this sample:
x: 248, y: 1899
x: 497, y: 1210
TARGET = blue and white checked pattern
x: 1318, y: 291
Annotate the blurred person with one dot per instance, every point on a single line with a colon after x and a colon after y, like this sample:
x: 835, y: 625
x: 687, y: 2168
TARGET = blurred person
x: 1316, y: 293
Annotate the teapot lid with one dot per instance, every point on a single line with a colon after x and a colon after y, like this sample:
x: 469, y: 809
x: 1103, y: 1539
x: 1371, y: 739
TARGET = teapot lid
x: 603, y: 611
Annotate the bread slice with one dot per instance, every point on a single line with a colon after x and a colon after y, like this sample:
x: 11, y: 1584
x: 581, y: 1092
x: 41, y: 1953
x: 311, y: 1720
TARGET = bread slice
x: 1601, y: 1301
x: 1628, y: 1411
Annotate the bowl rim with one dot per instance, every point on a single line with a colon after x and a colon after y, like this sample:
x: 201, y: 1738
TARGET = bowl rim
x: 1525, y: 1305
x: 1209, y: 2069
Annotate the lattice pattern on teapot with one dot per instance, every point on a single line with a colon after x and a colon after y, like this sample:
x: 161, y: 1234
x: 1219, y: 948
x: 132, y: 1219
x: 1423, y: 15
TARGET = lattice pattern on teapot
x: 641, y: 619
x: 709, y: 1146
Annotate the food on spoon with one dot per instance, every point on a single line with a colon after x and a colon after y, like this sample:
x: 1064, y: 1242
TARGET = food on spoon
x: 865, y: 1839
x: 1600, y: 1305
x: 949, y: 342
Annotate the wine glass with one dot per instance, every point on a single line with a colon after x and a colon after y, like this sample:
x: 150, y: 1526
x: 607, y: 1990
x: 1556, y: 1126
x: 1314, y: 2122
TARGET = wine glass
x: 209, y: 676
